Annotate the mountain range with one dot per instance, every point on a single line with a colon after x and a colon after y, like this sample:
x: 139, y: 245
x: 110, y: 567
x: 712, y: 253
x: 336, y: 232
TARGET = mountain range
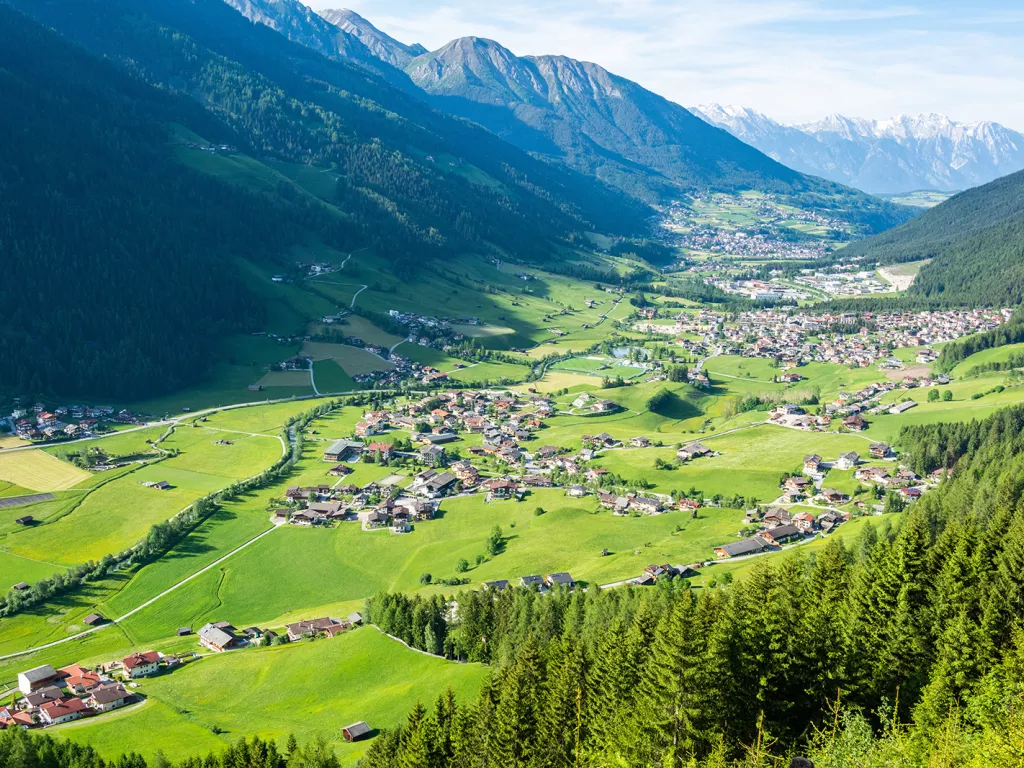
x: 571, y: 112
x: 903, y: 154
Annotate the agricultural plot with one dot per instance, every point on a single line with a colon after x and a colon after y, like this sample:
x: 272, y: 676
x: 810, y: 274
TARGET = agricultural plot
x: 311, y: 688
x: 331, y: 377
x: 987, y: 356
x: 118, y: 513
x: 493, y: 372
x: 353, y: 360
x: 39, y: 471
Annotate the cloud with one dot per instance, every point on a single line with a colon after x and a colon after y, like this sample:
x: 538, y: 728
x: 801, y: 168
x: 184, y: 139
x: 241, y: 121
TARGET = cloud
x: 795, y: 60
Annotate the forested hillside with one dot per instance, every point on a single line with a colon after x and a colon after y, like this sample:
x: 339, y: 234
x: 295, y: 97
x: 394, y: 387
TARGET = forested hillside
x: 118, y: 261
x: 975, y: 241
x: 421, y: 184
x: 917, y: 624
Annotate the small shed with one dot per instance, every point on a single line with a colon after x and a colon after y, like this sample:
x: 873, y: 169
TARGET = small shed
x: 356, y: 731
x: 183, y: 631
x: 93, y: 619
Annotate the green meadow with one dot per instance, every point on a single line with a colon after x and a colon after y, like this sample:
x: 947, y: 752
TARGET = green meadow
x: 311, y: 688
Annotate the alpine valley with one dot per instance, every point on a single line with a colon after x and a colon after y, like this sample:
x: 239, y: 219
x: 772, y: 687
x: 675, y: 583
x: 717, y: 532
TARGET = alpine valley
x: 363, y: 404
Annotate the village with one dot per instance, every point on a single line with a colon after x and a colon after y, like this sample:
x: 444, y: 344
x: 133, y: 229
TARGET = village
x: 65, y: 422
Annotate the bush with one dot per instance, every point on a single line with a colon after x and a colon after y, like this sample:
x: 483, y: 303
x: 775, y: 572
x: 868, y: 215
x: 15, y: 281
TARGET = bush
x: 426, y: 578
x: 538, y: 511
x: 462, y: 565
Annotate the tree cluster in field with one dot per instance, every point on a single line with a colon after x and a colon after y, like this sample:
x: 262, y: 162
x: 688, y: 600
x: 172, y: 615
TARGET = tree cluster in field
x: 917, y: 623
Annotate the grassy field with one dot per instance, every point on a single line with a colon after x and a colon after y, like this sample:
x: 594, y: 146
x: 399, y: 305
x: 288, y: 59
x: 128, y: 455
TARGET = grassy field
x: 994, y: 355
x: 311, y: 688
x: 493, y: 372
x: 39, y: 471
x: 353, y: 360
x: 331, y: 377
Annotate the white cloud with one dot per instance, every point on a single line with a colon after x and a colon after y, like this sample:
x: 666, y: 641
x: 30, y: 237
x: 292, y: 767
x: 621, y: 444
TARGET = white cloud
x: 795, y: 60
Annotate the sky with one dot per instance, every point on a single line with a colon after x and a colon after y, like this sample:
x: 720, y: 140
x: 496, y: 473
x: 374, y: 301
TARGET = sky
x: 794, y: 60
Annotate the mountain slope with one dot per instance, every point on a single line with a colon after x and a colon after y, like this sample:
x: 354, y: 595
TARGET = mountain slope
x: 975, y: 241
x: 608, y: 127
x: 421, y: 183
x: 902, y: 154
x: 119, y: 262
x: 383, y: 46
x: 616, y: 130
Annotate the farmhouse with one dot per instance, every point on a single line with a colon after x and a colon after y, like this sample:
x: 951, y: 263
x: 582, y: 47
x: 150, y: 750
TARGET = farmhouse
x: 141, y: 664
x: 108, y: 697
x: 812, y: 464
x: 692, y: 451
x: 310, y: 627
x: 37, y: 678
x: 749, y: 546
x: 781, y: 534
x: 879, y: 450
x: 63, y: 711
x: 847, y: 460
x: 217, y: 639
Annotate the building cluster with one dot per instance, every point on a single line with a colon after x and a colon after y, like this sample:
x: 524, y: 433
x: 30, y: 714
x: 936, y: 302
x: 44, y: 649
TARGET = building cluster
x: 858, y: 340
x: 221, y: 636
x: 53, y: 696
x: 843, y: 282
x: 64, y: 422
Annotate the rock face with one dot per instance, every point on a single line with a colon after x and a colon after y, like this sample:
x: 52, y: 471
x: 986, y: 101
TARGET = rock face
x: 383, y: 46
x: 902, y: 154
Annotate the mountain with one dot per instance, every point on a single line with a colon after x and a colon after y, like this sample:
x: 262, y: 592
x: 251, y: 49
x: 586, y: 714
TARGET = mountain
x: 382, y: 46
x: 120, y: 262
x: 902, y: 154
x: 418, y: 183
x: 975, y: 241
x: 579, y: 114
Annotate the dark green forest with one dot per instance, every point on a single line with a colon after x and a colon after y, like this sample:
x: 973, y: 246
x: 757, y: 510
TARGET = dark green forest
x: 975, y: 241
x: 119, y: 267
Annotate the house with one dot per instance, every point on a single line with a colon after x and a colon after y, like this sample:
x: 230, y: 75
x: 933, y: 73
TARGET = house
x: 576, y: 491
x: 804, y: 522
x: 108, y: 697
x: 63, y: 711
x: 307, y: 517
x: 560, y: 579
x: 141, y: 664
x: 832, y: 496
x: 257, y: 637
x: 498, y: 586
x: 356, y: 731
x: 847, y: 460
x: 78, y: 679
x: 355, y: 619
x: 688, y: 505
x: 782, y: 534
x: 812, y: 464
x: 532, y: 582
x: 37, y: 678
x: 431, y: 483
x: 342, y: 449
x: 855, y: 423
x: 340, y: 470
x: 749, y: 546
x: 796, y: 484
x: 434, y: 455
x: 879, y: 450
x: 692, y: 451
x: 645, y: 505
x: 14, y: 718
x: 499, y: 489
x: 910, y: 493
x: 310, y: 627
x: 217, y: 639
